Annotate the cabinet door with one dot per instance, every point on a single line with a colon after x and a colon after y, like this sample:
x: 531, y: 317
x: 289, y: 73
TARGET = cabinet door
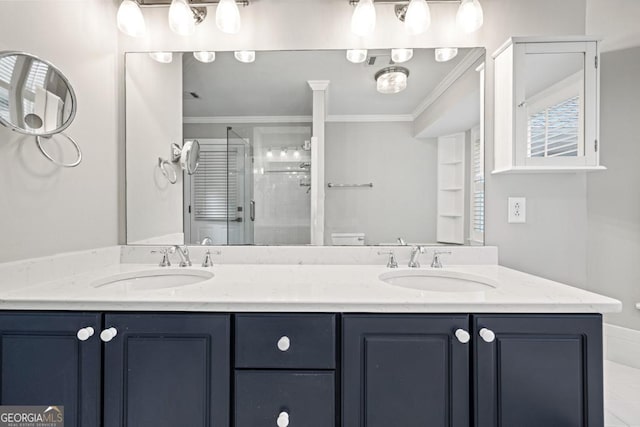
x: 167, y: 370
x: 405, y: 370
x: 540, y: 370
x: 45, y: 364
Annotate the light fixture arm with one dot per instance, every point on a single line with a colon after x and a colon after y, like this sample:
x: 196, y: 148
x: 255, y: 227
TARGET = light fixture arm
x: 193, y: 4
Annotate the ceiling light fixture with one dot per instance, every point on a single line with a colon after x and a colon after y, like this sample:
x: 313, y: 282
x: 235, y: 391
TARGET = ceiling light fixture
x: 162, y: 57
x: 130, y: 19
x: 204, y: 56
x: 363, y: 20
x: 392, y: 80
x: 228, y: 17
x: 246, y: 56
x: 444, y: 54
x: 418, y: 17
x: 401, y: 55
x: 357, y: 56
x: 470, y: 16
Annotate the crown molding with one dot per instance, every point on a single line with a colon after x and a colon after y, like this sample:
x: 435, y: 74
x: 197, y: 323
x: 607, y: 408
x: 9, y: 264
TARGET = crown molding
x: 458, y: 71
x: 355, y: 118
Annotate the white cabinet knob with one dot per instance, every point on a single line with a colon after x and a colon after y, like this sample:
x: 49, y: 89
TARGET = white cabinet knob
x: 284, y: 343
x: 283, y: 419
x: 487, y: 335
x: 463, y: 336
x: 85, y: 333
x: 108, y: 334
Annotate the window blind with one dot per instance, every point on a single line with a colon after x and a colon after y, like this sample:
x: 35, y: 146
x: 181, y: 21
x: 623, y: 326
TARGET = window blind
x: 554, y: 131
x: 6, y: 70
x: 477, y: 214
x: 215, y: 196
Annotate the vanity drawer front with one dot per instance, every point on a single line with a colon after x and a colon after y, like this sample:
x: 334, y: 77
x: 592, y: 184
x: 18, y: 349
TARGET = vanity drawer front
x: 302, y: 341
x: 284, y: 398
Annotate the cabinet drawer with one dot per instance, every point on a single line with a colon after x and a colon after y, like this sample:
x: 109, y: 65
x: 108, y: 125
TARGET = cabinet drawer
x: 303, y: 341
x: 294, y: 398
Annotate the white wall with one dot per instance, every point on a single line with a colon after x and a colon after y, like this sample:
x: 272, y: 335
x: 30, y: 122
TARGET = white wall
x: 154, y: 205
x: 614, y: 194
x: 616, y: 21
x: 403, y: 170
x: 45, y: 209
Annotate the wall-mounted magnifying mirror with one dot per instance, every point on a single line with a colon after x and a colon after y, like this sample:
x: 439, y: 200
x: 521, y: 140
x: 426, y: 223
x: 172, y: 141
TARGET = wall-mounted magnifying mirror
x: 36, y: 99
x: 190, y: 156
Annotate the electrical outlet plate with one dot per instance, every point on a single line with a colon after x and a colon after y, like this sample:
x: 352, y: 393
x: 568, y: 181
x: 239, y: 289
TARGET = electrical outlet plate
x: 517, y: 210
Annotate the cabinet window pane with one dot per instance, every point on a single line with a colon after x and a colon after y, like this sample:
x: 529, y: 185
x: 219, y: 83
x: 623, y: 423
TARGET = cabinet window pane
x: 554, y: 131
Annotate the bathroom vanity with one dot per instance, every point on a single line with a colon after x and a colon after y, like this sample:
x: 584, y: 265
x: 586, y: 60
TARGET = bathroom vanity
x: 301, y: 345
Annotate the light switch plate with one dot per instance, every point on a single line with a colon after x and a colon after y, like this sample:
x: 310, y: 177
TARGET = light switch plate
x: 517, y: 210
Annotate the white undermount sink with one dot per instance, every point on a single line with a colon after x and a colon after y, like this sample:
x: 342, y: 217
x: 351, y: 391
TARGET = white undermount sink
x: 154, y: 279
x: 437, y: 280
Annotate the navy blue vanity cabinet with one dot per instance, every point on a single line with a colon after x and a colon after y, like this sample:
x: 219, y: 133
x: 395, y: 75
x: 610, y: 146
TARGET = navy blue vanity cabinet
x: 46, y: 362
x: 285, y: 370
x: 538, y: 370
x: 167, y: 370
x: 405, y: 370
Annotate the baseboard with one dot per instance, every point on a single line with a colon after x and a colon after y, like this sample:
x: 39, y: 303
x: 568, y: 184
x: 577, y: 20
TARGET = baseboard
x: 622, y: 345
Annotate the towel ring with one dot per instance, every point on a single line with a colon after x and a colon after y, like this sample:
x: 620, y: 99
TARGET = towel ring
x: 65, y: 165
x: 164, y: 165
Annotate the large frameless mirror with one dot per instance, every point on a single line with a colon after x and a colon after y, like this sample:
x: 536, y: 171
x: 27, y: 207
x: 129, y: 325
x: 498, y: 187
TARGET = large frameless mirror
x: 402, y: 158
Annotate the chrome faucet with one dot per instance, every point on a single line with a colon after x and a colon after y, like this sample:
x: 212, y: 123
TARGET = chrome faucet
x: 401, y: 241
x: 165, y: 258
x: 415, y: 254
x: 436, y: 263
x: 392, y: 262
x: 183, y: 252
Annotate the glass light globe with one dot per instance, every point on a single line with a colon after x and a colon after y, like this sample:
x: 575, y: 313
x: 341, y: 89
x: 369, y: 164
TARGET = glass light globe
x: 444, y: 54
x: 470, y: 16
x: 418, y: 17
x: 181, y: 20
x: 162, y: 57
x: 130, y: 19
x: 245, y: 56
x: 228, y: 17
x: 401, y: 55
x: 363, y: 21
x: 204, y: 56
x: 357, y: 56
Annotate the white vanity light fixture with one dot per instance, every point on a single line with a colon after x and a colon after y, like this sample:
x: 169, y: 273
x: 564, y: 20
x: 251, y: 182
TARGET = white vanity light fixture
x: 181, y: 18
x: 296, y: 153
x: 418, y: 17
x: 246, y: 56
x: 444, y: 54
x: 363, y: 20
x: 269, y: 153
x: 205, y: 56
x: 357, y: 56
x: 283, y: 152
x: 228, y: 17
x: 162, y: 57
x: 392, y: 80
x: 130, y: 19
x: 401, y: 55
x: 470, y: 16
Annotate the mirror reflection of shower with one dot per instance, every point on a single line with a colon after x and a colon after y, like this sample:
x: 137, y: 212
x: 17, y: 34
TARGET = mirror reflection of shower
x: 252, y: 187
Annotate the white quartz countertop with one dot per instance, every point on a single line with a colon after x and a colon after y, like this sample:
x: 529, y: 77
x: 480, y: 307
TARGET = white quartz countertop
x: 306, y: 288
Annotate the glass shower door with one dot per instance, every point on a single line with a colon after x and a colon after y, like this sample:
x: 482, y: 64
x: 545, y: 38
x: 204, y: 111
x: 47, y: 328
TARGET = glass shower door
x: 240, y: 206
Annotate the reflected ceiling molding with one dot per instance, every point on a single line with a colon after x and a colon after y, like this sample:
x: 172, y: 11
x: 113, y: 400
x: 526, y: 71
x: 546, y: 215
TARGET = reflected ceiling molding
x: 337, y: 118
x: 458, y: 71
x: 247, y: 119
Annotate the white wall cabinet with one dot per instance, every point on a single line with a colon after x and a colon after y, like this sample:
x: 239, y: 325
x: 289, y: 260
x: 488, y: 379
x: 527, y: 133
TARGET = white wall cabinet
x: 547, y: 105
